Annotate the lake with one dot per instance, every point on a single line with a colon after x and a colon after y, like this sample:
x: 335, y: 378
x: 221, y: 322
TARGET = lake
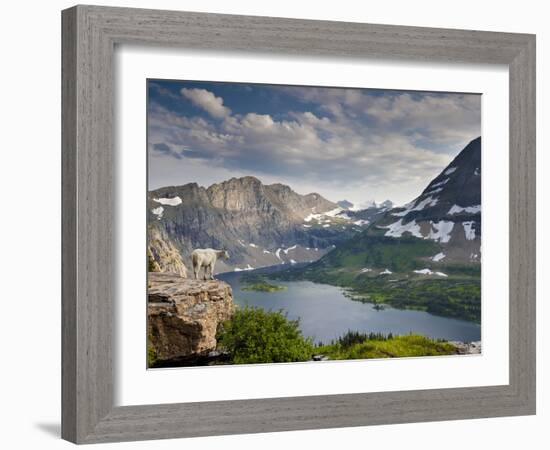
x: 325, y: 313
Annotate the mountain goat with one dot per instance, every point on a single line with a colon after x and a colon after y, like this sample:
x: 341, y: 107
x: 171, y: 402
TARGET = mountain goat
x: 206, y: 257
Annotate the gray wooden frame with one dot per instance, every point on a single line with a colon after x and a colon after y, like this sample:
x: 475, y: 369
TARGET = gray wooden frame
x: 90, y: 34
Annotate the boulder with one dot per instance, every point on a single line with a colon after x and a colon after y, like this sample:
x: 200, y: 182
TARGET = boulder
x: 183, y: 315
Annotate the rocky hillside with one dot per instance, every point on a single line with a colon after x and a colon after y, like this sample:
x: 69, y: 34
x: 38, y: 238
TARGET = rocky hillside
x: 260, y: 225
x: 163, y: 255
x: 183, y: 315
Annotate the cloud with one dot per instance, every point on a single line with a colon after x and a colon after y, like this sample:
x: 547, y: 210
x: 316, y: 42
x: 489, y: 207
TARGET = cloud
x: 208, y: 101
x: 340, y: 142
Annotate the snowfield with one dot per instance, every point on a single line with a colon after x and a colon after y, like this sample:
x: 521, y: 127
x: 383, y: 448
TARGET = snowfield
x: 440, y: 183
x: 158, y: 212
x: 175, y: 201
x: 426, y: 203
x: 398, y: 228
x: 248, y: 267
x: 450, y: 170
x: 455, y: 209
x: 441, y: 231
x: 430, y: 272
x: 438, y: 257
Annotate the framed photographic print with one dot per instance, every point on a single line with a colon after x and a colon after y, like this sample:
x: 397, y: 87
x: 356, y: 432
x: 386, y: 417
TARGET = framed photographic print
x: 248, y: 200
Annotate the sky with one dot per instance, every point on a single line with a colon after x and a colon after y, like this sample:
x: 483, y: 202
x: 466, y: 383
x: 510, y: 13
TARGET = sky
x: 343, y: 143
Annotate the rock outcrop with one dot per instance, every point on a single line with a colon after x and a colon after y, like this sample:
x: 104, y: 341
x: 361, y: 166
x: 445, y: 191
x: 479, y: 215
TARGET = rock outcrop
x: 183, y: 315
x: 162, y: 254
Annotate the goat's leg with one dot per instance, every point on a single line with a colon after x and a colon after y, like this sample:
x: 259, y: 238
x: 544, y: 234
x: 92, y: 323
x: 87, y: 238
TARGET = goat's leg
x: 212, y: 270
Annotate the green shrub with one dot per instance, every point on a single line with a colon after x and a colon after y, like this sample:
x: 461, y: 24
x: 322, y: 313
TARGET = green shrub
x: 257, y: 336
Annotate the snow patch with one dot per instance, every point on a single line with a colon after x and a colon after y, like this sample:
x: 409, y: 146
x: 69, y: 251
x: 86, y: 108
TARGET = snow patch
x: 365, y: 270
x: 434, y: 191
x: 292, y: 261
x: 334, y: 212
x: 430, y: 272
x: 455, y: 209
x: 306, y: 226
x: 175, y: 201
x: 438, y: 257
x: 253, y: 245
x: 423, y: 271
x: 441, y: 231
x: 248, y: 267
x: 289, y: 248
x: 398, y: 228
x: 426, y: 203
x: 361, y: 222
x: 267, y: 251
x: 278, y: 253
x: 326, y: 225
x: 469, y: 230
x: 158, y: 212
x: 440, y: 183
x: 450, y: 170
x: 386, y: 272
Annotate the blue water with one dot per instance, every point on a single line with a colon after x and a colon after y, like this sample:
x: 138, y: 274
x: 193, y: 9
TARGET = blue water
x: 325, y: 313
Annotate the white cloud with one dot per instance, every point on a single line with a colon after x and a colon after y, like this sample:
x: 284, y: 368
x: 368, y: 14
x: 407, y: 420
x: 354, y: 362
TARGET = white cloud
x: 208, y: 101
x: 349, y: 144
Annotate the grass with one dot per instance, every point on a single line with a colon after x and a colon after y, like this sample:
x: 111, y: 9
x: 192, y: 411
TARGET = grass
x: 362, y: 346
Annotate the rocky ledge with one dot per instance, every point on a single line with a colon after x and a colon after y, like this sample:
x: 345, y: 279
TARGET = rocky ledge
x: 467, y: 348
x: 184, y: 314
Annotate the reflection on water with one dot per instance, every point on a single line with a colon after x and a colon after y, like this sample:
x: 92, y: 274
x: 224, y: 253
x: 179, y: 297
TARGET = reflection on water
x: 325, y: 313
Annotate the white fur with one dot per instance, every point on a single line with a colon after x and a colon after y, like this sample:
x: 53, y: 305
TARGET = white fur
x: 206, y: 257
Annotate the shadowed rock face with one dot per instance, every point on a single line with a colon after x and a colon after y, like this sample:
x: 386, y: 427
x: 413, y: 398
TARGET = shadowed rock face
x: 236, y: 213
x: 183, y: 314
x: 163, y: 254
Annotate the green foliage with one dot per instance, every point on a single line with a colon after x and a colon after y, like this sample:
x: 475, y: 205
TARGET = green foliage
x: 355, y: 337
x: 388, y: 347
x: 151, y: 356
x: 257, y: 336
x: 398, y: 255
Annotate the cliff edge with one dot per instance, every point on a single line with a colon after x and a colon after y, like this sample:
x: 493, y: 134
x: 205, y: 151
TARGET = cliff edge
x: 183, y: 314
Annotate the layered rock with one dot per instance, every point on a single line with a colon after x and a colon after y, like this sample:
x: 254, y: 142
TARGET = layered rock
x: 183, y: 315
x: 162, y: 254
x: 256, y: 223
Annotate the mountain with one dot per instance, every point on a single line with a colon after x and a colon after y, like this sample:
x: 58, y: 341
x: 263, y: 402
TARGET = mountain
x: 260, y: 225
x: 344, y: 204
x: 448, y: 210
x: 424, y: 255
